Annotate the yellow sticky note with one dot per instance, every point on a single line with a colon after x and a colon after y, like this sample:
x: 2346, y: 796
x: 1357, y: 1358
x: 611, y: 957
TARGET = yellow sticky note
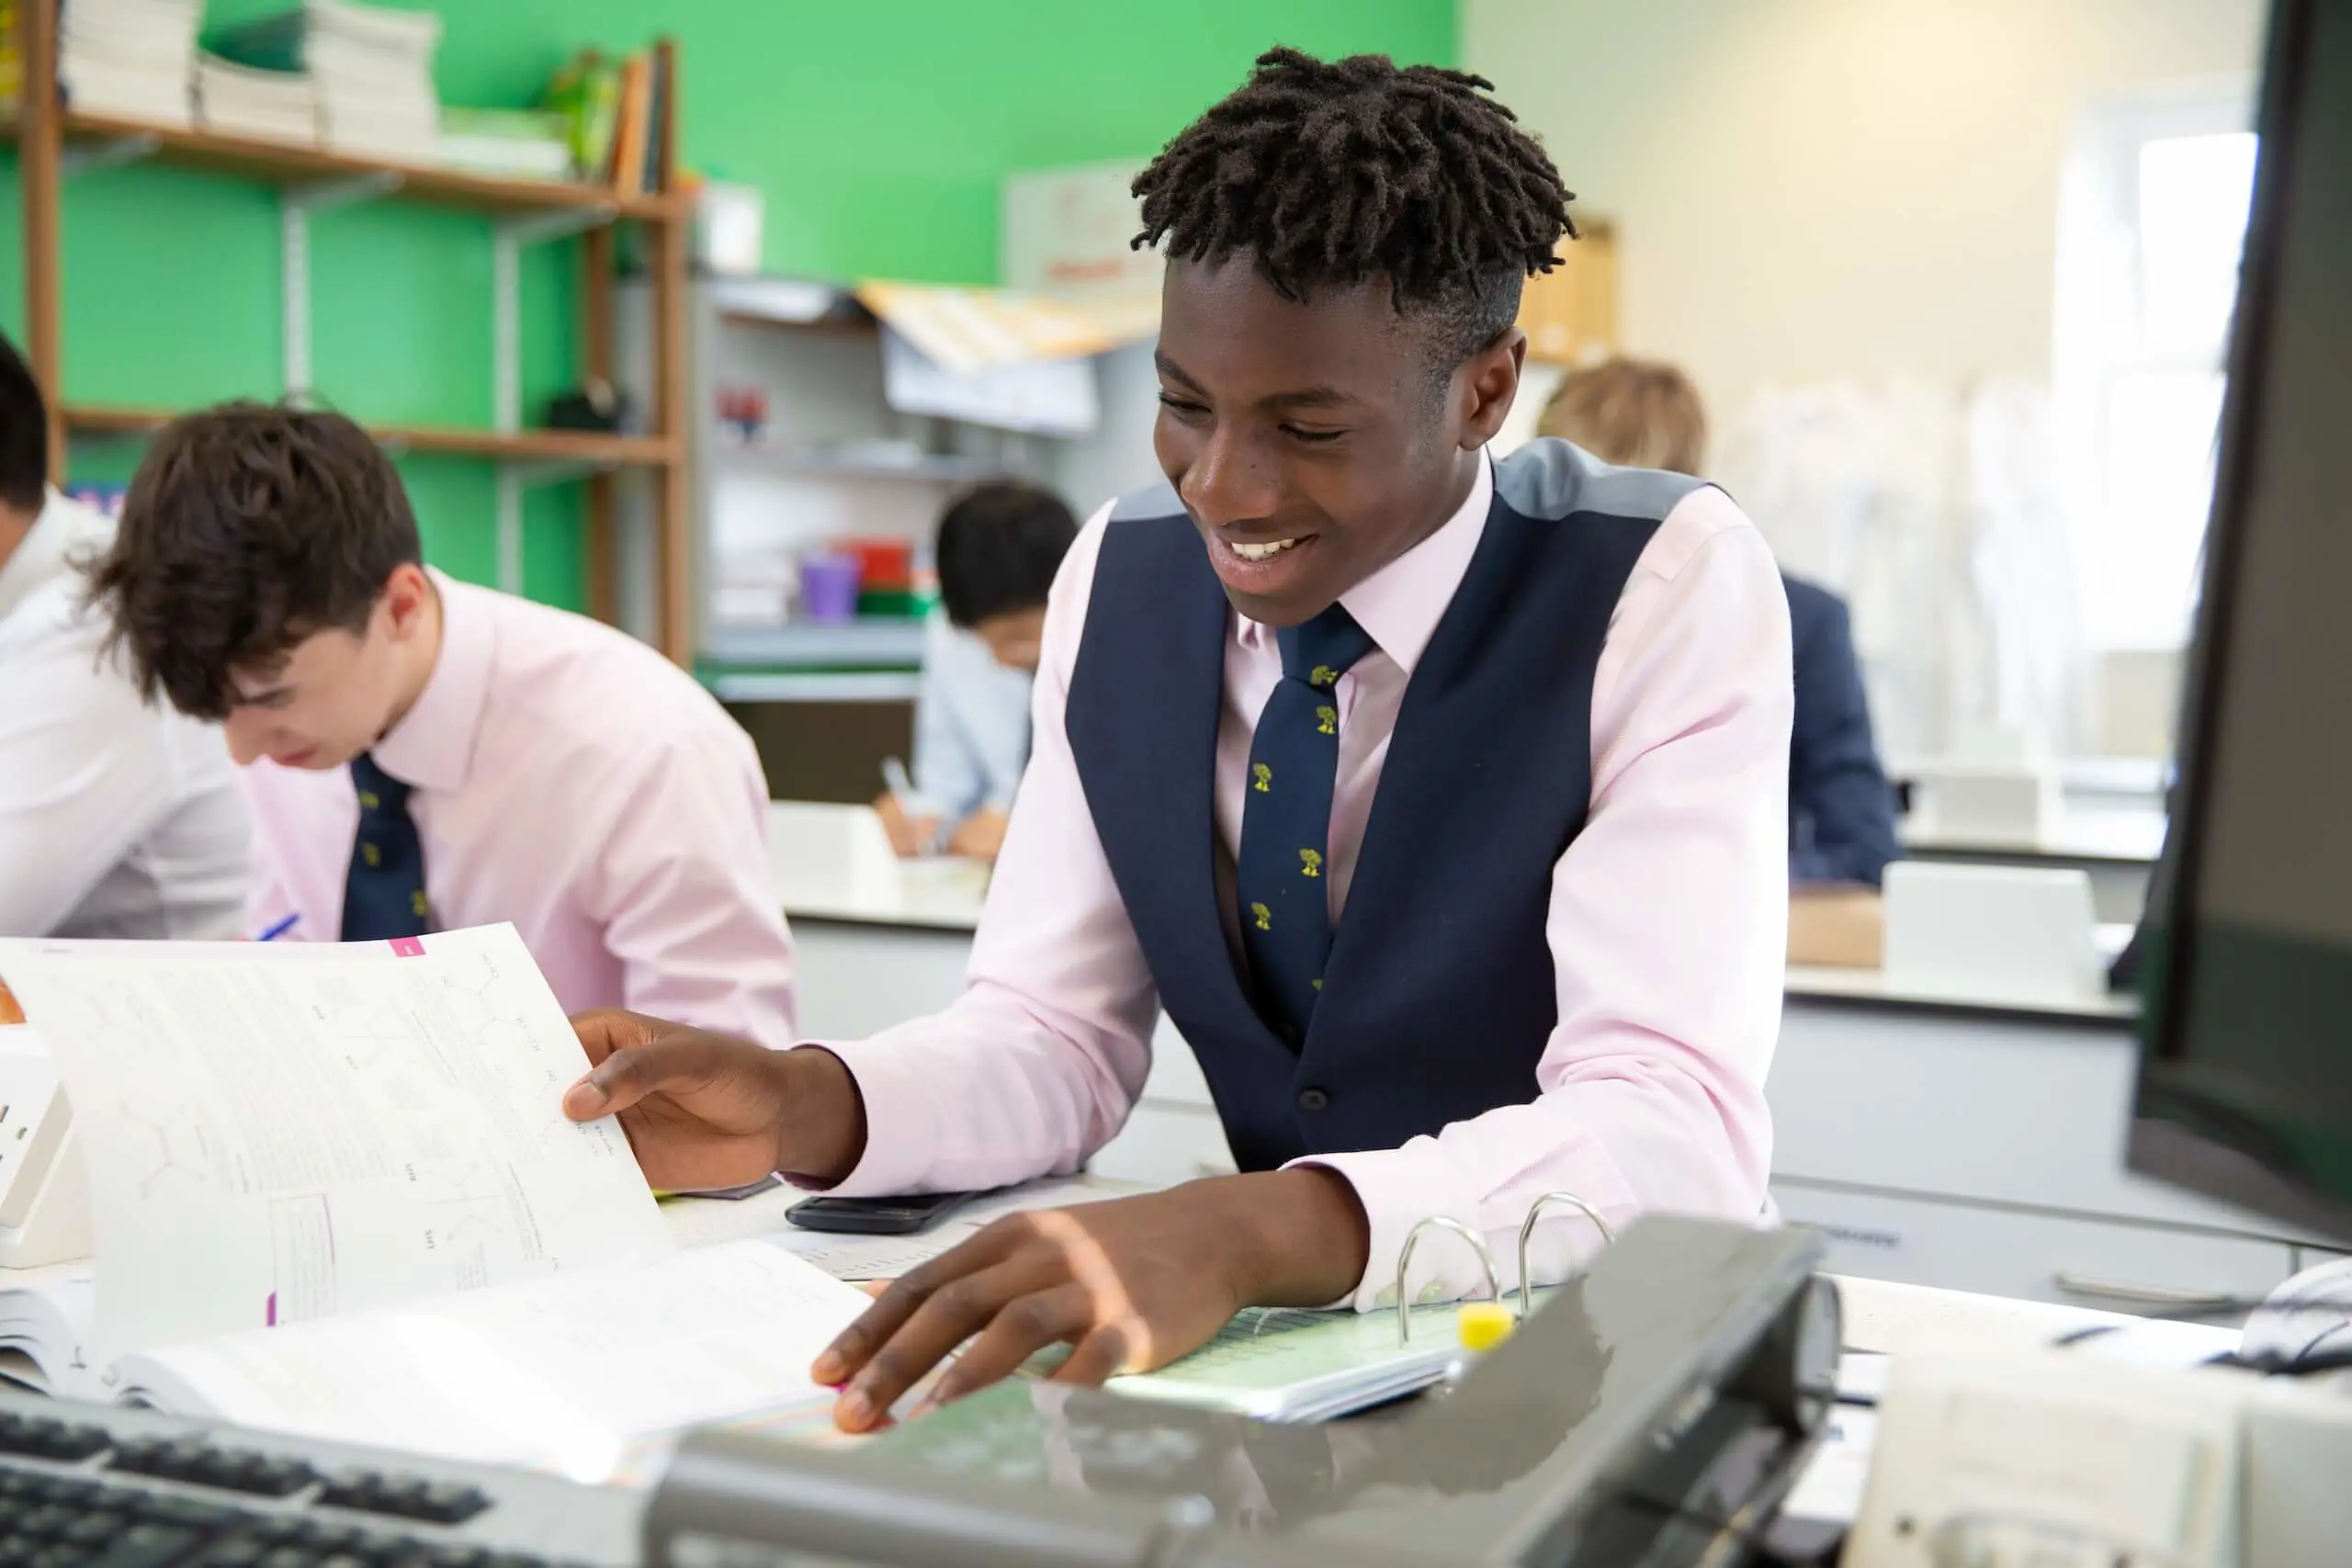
x: 1483, y: 1325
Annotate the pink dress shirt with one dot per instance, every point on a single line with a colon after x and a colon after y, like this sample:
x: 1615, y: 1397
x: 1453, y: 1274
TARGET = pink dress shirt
x: 1667, y: 926
x: 570, y: 780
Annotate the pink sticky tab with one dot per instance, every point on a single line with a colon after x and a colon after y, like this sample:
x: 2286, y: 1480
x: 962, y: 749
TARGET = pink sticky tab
x: 408, y: 947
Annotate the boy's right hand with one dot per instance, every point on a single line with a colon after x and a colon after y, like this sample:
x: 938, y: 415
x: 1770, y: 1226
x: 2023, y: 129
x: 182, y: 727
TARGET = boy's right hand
x: 910, y: 835
x: 705, y: 1113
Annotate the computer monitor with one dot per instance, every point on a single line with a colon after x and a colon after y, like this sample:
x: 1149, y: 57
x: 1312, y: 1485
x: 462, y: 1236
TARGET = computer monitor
x: 2245, y: 1088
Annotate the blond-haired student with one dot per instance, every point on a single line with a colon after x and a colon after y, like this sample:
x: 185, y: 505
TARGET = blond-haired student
x: 1647, y: 414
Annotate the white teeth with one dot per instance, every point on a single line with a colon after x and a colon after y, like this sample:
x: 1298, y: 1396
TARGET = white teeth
x: 1262, y: 552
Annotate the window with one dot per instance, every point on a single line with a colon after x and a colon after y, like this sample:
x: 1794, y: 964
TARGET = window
x: 2151, y: 220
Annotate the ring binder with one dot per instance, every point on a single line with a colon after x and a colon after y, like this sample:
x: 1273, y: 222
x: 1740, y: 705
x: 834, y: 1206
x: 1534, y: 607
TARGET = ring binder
x: 1405, y: 1259
x: 1527, y: 1235
x: 1485, y: 1256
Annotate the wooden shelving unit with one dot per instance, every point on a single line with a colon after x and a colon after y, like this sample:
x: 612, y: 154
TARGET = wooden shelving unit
x: 54, y: 142
x: 254, y: 158
x: 522, y: 445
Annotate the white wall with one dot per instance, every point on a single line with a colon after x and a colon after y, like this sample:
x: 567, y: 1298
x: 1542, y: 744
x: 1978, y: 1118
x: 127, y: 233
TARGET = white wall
x: 1808, y: 189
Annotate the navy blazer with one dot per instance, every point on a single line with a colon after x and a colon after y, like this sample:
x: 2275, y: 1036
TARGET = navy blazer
x: 1841, y: 809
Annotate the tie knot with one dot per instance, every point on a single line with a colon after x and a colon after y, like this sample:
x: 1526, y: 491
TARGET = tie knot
x: 378, y: 791
x: 1324, y: 649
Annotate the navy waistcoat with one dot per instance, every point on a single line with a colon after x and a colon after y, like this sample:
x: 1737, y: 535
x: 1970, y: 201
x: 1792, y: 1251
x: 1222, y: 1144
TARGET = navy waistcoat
x: 1439, y: 996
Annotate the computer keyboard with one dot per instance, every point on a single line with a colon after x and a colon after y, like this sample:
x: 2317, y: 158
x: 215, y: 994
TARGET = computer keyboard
x: 94, y: 1486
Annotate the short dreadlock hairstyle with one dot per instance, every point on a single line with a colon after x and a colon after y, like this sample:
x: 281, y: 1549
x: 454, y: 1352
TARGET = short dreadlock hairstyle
x: 1330, y: 173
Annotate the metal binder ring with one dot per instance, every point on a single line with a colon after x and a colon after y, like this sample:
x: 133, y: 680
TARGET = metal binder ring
x: 1527, y: 1235
x: 1405, y: 1261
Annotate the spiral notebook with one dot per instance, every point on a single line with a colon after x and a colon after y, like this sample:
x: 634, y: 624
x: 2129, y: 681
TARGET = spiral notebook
x: 1280, y: 1364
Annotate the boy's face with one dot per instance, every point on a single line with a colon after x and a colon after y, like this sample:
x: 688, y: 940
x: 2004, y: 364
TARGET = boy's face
x: 336, y: 692
x: 1016, y: 638
x: 1313, y: 442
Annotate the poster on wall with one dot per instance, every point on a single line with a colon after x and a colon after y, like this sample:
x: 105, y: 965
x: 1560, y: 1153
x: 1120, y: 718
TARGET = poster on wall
x: 1067, y: 233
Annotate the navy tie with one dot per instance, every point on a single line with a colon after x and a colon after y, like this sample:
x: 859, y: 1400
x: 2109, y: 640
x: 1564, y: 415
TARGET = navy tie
x: 384, y: 895
x: 1282, y: 873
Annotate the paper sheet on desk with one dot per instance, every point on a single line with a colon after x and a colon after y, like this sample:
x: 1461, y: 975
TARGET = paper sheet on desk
x: 281, y: 1132
x: 573, y: 1375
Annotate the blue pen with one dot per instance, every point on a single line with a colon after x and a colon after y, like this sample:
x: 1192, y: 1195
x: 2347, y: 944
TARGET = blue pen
x: 279, y: 930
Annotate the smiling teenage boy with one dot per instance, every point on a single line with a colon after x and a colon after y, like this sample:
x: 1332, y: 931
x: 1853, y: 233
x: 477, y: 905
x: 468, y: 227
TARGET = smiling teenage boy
x: 1440, y: 802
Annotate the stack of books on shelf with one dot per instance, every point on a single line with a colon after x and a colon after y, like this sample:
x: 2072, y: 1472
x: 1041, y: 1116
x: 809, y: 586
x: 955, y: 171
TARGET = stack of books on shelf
x: 371, y: 68
x: 130, y: 58
x: 244, y: 100
x: 531, y: 144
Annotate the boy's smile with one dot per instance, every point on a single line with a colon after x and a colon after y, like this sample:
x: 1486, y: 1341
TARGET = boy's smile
x: 1313, y: 441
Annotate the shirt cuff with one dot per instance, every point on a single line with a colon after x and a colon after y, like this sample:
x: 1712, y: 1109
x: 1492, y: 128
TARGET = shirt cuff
x: 1399, y: 1189
x: 901, y: 1120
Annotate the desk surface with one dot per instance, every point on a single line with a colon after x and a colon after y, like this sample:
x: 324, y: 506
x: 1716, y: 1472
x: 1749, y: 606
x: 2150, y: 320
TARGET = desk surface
x: 946, y: 900
x: 1881, y: 1318
x: 1814, y: 982
x: 935, y: 895
x: 2130, y: 834
x: 1867, y: 987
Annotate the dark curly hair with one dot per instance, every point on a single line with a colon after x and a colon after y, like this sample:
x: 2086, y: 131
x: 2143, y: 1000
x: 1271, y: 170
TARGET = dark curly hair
x: 248, y: 528
x: 1331, y: 173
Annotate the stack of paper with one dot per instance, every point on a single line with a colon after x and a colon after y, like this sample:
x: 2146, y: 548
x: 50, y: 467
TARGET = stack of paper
x: 372, y: 69
x: 505, y: 1375
x: 131, y: 59
x: 244, y: 100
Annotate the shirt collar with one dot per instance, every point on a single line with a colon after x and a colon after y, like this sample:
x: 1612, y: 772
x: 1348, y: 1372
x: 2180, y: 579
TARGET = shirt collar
x: 1401, y: 603
x: 433, y: 745
x: 46, y: 552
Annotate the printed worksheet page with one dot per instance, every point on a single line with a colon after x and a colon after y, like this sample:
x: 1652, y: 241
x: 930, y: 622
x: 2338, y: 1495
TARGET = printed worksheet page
x: 565, y: 1374
x: 275, y: 1133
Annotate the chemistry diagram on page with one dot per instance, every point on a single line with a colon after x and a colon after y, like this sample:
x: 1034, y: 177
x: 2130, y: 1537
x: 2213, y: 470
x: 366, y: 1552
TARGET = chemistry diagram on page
x: 276, y: 1134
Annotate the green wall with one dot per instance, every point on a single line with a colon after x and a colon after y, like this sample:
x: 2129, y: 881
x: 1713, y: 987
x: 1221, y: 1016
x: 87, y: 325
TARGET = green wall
x: 877, y: 131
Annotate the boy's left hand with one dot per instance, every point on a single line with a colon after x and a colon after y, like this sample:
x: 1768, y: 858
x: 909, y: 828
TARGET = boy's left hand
x: 1132, y: 1284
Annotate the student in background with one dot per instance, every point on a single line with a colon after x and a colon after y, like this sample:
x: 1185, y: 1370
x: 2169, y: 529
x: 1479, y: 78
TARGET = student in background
x: 1841, y: 808
x: 999, y: 547
x: 117, y: 818
x: 422, y: 754
x: 1441, y: 802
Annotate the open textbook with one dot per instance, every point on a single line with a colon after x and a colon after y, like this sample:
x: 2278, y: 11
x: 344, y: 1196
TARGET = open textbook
x: 333, y: 1192
x: 273, y: 1134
